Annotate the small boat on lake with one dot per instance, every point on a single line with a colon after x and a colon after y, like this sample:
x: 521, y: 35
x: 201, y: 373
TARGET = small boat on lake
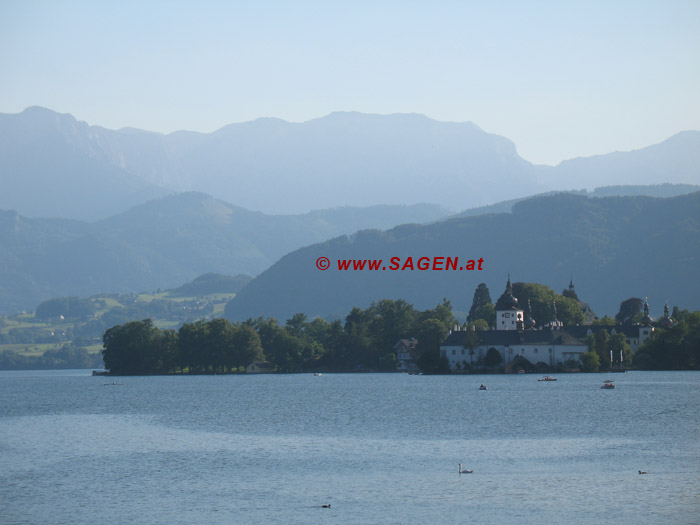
x: 483, y: 387
x: 608, y: 384
x: 547, y: 378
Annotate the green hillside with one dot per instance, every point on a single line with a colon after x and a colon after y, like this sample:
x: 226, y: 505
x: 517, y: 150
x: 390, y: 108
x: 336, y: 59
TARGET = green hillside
x: 164, y: 243
x: 613, y: 247
x: 70, y: 329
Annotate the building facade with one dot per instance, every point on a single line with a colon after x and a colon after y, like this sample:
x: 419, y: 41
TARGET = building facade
x: 519, y: 341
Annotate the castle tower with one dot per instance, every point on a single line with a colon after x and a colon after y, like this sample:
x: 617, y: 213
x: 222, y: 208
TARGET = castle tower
x: 667, y: 321
x: 555, y: 324
x: 508, y: 315
x: 647, y: 320
x: 530, y: 322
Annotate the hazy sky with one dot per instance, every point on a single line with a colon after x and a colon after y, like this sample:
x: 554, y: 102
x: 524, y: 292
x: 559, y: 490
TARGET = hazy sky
x: 561, y: 79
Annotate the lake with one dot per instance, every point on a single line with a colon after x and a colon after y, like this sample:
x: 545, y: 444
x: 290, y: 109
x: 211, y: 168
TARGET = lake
x: 379, y: 448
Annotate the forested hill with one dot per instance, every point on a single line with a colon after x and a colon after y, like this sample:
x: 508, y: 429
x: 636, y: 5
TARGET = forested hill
x: 163, y: 243
x: 613, y: 247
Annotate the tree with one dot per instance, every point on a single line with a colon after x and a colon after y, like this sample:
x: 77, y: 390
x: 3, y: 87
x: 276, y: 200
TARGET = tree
x: 442, y: 312
x: 617, y: 344
x: 493, y: 358
x: 569, y: 311
x: 590, y: 361
x: 219, y: 348
x: 430, y: 334
x: 267, y: 329
x: 131, y: 349
x: 604, y: 321
x: 192, y: 338
x: 630, y: 311
x: 389, y: 321
x: 470, y: 341
x: 68, y: 307
x: 598, y: 343
x: 286, y: 351
x: 542, y: 299
x: 482, y: 297
x: 296, y: 324
x: 677, y: 348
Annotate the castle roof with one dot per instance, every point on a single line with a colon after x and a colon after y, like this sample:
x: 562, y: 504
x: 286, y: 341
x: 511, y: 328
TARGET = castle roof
x: 542, y: 337
x: 507, y: 301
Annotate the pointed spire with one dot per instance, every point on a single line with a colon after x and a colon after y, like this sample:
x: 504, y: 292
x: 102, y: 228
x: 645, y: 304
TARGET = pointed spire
x: 506, y: 301
x: 666, y: 322
x: 571, y: 284
x: 529, y: 321
x: 647, y: 319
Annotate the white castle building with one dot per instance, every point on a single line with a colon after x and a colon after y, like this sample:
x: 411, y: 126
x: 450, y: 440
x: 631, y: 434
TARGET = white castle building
x: 516, y: 335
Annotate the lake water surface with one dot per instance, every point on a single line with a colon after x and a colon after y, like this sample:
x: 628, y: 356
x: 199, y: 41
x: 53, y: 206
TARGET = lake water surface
x: 380, y: 448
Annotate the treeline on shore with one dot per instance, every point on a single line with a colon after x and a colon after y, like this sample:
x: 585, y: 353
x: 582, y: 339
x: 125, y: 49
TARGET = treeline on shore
x: 365, y: 341
x: 66, y: 357
x: 675, y: 348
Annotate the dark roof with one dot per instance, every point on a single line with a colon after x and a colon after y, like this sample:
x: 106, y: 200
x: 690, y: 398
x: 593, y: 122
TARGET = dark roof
x: 546, y: 336
x: 507, y: 301
x: 408, y: 343
x: 630, y: 330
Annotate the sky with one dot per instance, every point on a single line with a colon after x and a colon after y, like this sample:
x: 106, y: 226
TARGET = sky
x: 560, y: 79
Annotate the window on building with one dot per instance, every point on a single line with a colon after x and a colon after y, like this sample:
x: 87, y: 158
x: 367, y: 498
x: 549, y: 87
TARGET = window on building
x: 535, y: 350
x: 454, y: 352
x: 506, y: 315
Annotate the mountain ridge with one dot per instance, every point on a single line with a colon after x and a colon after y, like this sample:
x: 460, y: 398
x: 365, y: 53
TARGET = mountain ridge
x: 88, y: 172
x: 161, y: 244
x: 614, y: 247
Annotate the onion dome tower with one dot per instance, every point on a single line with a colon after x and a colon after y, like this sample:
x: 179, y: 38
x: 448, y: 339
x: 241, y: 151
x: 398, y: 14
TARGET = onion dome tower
x: 509, y: 316
x: 555, y: 323
x: 647, y: 320
x: 530, y: 322
x: 666, y: 321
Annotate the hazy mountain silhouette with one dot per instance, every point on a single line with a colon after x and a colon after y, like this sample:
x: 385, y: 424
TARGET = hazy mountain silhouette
x: 162, y: 244
x: 53, y: 165
x: 676, y: 159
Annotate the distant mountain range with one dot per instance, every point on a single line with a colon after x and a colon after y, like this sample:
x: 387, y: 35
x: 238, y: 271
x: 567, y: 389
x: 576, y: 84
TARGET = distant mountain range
x: 613, y: 247
x: 163, y: 243
x: 52, y: 165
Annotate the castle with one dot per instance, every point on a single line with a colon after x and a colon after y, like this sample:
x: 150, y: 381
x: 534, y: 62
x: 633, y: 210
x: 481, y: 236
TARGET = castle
x: 516, y: 337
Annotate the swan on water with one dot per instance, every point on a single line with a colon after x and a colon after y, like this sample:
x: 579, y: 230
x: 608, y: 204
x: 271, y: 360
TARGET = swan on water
x: 467, y: 471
